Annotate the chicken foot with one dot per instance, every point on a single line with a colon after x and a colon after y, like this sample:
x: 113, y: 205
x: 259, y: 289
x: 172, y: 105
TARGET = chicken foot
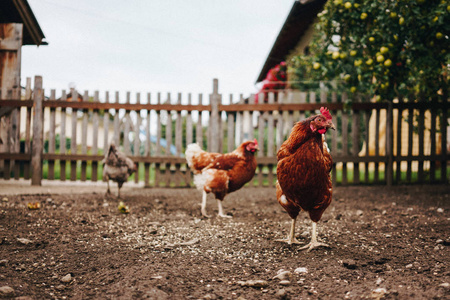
x: 291, y: 237
x: 221, y: 214
x: 314, y: 243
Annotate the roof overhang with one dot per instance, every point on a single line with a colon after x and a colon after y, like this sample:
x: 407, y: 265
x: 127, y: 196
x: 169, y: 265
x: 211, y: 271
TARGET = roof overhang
x: 300, y: 18
x: 19, y: 11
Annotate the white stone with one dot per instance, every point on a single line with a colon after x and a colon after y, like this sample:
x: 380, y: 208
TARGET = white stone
x: 301, y: 270
x: 67, y: 278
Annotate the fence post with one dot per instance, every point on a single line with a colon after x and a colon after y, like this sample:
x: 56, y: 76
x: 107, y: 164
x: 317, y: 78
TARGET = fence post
x: 37, y: 147
x: 215, y: 117
x: 389, y: 145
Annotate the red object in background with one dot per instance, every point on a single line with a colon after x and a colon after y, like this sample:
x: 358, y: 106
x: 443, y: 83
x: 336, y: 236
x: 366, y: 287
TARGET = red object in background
x: 275, y: 80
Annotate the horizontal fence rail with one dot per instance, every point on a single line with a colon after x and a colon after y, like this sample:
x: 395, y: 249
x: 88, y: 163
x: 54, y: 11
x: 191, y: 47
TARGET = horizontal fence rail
x: 65, y: 137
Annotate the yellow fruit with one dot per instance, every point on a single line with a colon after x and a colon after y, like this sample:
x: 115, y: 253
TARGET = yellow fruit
x: 342, y: 55
x: 435, y: 19
x: 357, y: 62
x: 353, y: 89
x: 380, y: 58
x: 347, y: 77
x: 335, y: 55
x: 388, y: 62
x: 371, y: 39
x: 348, y: 5
x: 439, y: 35
x: 337, y: 2
x: 316, y: 65
x: 401, y: 21
x: 393, y: 15
x: 384, y: 50
x: 356, y: 5
x: 369, y: 61
x: 353, y: 53
x: 363, y: 16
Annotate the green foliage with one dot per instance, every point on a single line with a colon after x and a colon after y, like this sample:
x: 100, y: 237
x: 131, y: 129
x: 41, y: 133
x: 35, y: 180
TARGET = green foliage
x: 386, y: 49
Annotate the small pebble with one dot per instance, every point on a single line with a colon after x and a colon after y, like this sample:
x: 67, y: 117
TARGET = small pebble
x: 283, y: 275
x: 445, y: 284
x: 6, y: 291
x: 4, y: 199
x: 285, y: 282
x: 67, y: 278
x: 301, y: 270
x: 440, y: 210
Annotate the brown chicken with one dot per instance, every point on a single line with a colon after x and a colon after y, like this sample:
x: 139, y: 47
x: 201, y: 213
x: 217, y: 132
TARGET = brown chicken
x: 303, y: 171
x: 117, y: 167
x: 221, y: 174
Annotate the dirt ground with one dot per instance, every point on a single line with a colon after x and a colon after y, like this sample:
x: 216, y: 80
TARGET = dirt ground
x: 385, y: 243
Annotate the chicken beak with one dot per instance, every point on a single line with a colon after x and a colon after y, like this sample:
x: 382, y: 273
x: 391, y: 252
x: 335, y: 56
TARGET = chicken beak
x: 331, y: 126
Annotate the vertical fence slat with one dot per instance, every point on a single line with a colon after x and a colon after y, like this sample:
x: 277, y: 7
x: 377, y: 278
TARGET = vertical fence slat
x: 377, y: 145
x: 63, y: 140
x: 421, y: 133
x: 334, y: 135
x: 95, y: 129
x: 389, y: 145
x: 410, y: 144
x: 443, y: 129
x: 84, y: 133
x: 355, y: 144
x: 52, y: 138
x: 398, y: 173
x: 230, y: 130
x: 344, y: 136
x: 178, y: 143
x: 37, y: 148
x: 147, y: 151
x: 433, y: 131
x: 137, y: 138
x: 27, y: 148
x: 73, y: 140
x: 158, y: 142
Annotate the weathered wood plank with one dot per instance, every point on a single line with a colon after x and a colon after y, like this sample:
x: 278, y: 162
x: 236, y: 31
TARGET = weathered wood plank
x: 52, y: 137
x: 96, y: 127
x: 38, y: 140
x: 73, y: 143
x: 421, y: 133
x: 270, y: 129
x: 345, y: 140
x: 410, y: 143
x: 84, y: 133
x: 62, y: 145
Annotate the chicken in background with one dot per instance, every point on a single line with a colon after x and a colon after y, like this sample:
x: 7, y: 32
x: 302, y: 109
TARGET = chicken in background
x: 303, y: 172
x: 221, y: 174
x: 117, y: 167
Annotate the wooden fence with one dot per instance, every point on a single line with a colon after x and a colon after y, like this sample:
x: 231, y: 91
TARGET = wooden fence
x: 62, y: 138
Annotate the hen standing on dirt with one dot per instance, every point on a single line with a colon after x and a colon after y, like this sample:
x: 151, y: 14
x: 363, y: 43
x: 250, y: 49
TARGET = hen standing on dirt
x: 221, y: 174
x: 117, y: 167
x: 303, y: 171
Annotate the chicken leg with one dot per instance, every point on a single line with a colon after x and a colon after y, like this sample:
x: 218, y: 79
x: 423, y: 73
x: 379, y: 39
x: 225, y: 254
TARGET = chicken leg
x: 291, y: 237
x: 203, y: 210
x: 314, y: 243
x: 221, y: 214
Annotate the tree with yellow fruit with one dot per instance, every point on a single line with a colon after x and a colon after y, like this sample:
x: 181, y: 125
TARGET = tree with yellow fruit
x: 386, y: 49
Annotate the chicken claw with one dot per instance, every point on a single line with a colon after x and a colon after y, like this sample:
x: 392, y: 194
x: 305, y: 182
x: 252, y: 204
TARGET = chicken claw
x: 289, y: 241
x: 221, y: 214
x: 313, y: 245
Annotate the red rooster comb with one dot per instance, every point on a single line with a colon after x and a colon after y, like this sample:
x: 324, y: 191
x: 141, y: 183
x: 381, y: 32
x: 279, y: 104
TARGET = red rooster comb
x: 256, y: 142
x: 326, y: 113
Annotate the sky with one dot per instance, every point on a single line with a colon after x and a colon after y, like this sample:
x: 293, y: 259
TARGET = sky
x: 167, y: 46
